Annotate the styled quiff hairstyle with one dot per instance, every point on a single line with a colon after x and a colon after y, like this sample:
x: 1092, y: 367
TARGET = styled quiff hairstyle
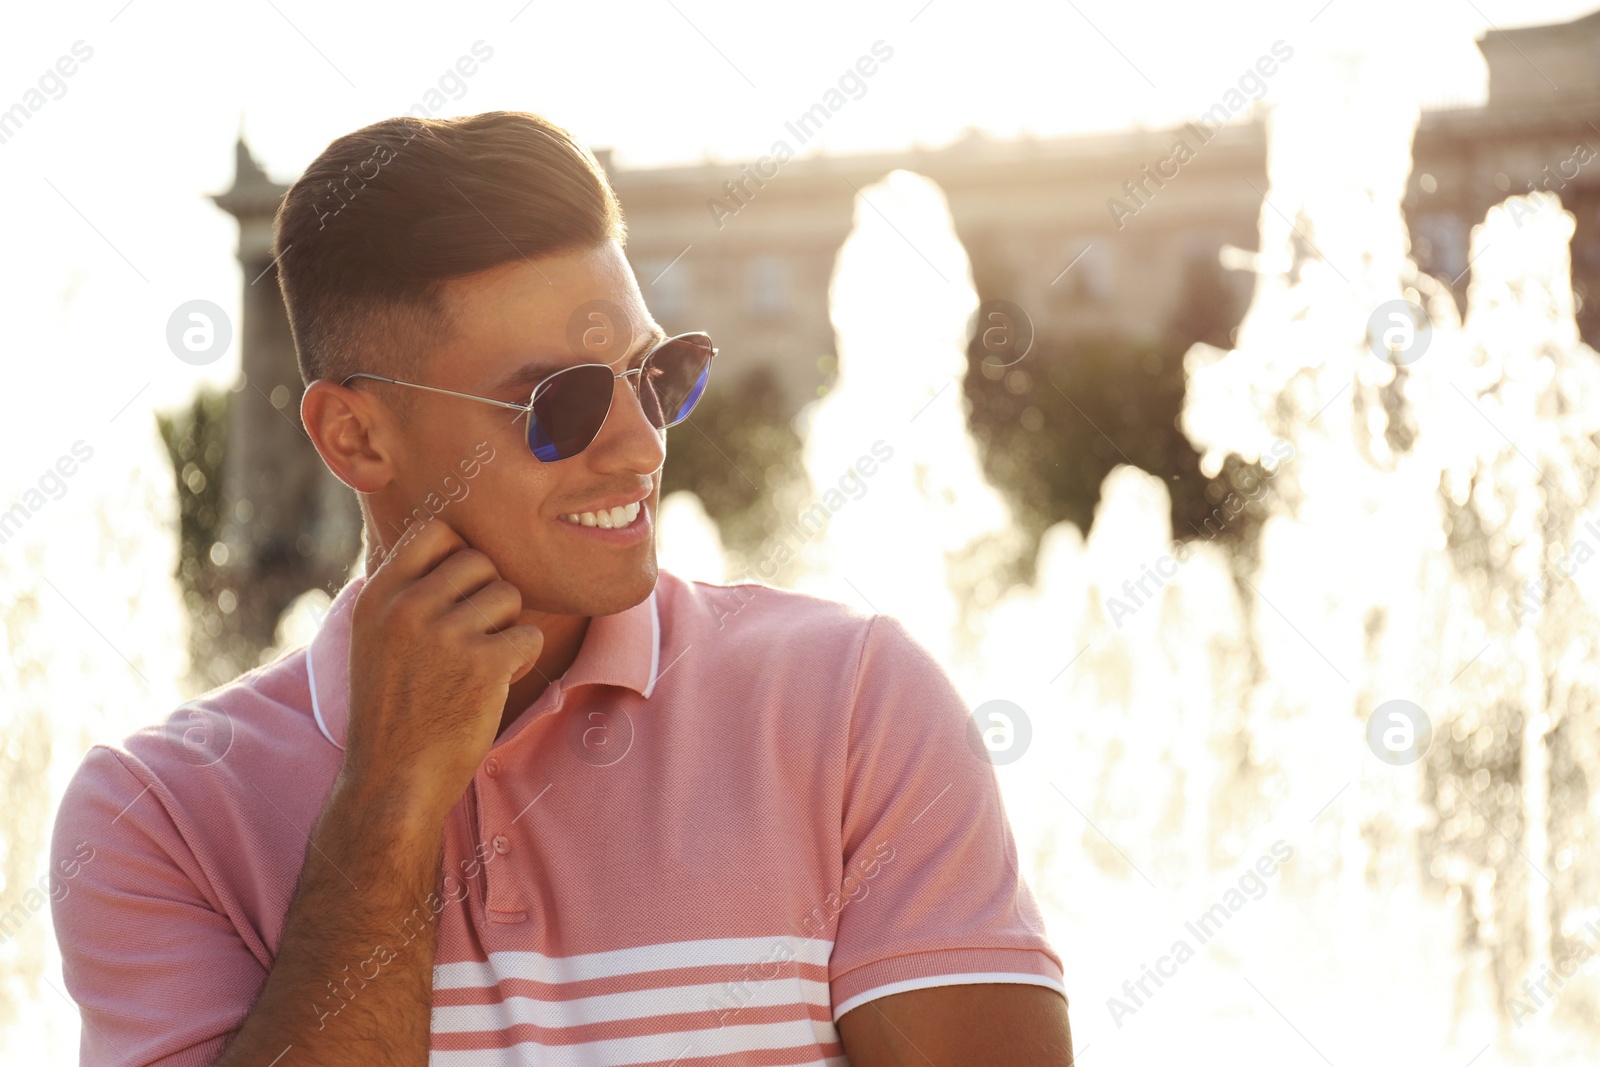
x: 364, y: 239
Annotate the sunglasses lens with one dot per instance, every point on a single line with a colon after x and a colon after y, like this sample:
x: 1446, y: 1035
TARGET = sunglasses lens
x: 572, y: 405
x: 675, y: 377
x: 569, y: 411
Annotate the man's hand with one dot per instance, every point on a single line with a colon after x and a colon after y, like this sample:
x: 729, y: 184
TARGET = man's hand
x: 434, y: 649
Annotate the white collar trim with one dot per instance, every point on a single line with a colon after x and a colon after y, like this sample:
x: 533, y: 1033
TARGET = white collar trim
x: 655, y: 664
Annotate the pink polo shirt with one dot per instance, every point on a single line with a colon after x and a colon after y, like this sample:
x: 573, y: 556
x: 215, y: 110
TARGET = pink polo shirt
x: 741, y: 813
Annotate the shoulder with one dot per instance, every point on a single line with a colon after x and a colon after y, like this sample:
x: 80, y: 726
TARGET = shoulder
x: 245, y: 725
x: 203, y: 769
x: 779, y: 625
x: 745, y: 613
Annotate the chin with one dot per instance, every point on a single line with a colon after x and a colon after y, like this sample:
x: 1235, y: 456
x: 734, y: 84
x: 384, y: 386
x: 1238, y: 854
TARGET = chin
x: 592, y: 593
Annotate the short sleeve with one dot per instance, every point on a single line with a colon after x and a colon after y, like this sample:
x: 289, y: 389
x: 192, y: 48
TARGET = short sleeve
x: 932, y: 895
x: 161, y: 979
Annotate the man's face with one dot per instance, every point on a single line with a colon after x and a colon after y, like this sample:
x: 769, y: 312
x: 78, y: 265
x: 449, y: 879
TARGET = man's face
x: 557, y: 311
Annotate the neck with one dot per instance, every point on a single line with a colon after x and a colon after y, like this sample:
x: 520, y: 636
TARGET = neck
x: 563, y: 637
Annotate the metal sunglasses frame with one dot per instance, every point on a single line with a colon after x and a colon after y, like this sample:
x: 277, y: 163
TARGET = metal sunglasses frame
x: 533, y: 398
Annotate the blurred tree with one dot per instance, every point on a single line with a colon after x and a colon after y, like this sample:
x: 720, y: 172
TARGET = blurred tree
x: 195, y: 438
x: 1051, y: 426
x: 735, y: 452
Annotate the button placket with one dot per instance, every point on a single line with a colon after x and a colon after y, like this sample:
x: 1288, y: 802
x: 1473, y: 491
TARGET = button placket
x: 503, y: 901
x: 475, y: 870
x: 506, y: 901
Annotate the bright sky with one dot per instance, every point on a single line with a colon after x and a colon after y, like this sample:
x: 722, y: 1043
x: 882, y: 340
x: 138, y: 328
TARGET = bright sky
x: 110, y: 229
x: 109, y: 226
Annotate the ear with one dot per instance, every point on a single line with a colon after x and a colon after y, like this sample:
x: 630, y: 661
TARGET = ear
x: 352, y: 431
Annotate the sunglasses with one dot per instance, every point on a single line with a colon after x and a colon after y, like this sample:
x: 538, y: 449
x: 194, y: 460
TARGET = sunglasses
x: 567, y: 409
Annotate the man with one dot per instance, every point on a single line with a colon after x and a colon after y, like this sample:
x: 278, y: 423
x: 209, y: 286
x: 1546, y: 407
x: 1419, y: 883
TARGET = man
x: 523, y: 798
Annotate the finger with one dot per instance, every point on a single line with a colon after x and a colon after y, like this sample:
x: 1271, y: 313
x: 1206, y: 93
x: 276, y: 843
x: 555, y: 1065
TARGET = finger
x: 463, y: 573
x: 520, y: 645
x: 488, y: 610
x: 422, y: 547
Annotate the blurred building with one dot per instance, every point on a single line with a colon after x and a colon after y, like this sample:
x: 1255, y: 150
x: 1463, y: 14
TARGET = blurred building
x: 718, y: 247
x: 745, y: 249
x: 1539, y: 130
x: 1103, y: 235
x: 286, y: 522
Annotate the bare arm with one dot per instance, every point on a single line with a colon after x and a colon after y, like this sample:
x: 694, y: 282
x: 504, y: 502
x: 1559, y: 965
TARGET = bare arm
x: 347, y: 986
x: 960, y: 1026
x: 434, y: 649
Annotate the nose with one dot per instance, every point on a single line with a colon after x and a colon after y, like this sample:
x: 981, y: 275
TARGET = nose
x: 628, y: 441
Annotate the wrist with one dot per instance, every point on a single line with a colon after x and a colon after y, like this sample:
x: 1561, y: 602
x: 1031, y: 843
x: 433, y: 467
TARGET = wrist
x: 387, y: 808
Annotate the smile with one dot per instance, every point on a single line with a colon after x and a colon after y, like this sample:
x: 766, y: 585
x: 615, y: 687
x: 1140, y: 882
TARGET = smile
x: 609, y: 519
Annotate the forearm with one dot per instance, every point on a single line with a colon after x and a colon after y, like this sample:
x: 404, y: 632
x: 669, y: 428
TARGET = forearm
x: 353, y: 978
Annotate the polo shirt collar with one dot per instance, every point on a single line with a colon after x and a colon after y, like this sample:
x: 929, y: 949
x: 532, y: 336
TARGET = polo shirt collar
x: 622, y: 649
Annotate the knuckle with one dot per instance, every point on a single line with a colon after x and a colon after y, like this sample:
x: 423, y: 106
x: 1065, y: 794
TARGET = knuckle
x: 470, y: 557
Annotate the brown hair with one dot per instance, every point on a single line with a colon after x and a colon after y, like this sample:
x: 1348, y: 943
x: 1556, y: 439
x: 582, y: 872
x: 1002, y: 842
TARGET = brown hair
x: 365, y: 237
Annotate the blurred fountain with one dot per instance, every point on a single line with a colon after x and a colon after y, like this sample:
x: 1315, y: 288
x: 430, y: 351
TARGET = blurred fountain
x: 97, y: 636
x: 1342, y: 600
x: 1425, y: 490
x: 1428, y: 525
x: 1426, y: 501
x: 900, y: 517
x: 688, y: 542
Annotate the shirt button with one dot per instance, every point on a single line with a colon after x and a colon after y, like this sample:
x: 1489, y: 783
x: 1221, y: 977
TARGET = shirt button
x: 502, y: 844
x: 491, y: 767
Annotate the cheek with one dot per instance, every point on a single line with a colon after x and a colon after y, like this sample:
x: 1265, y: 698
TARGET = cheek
x: 515, y: 496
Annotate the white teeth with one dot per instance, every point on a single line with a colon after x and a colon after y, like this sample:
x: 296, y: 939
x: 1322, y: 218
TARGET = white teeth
x: 608, y: 519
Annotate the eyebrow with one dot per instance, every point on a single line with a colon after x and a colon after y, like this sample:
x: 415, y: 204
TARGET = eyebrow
x: 531, y: 374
